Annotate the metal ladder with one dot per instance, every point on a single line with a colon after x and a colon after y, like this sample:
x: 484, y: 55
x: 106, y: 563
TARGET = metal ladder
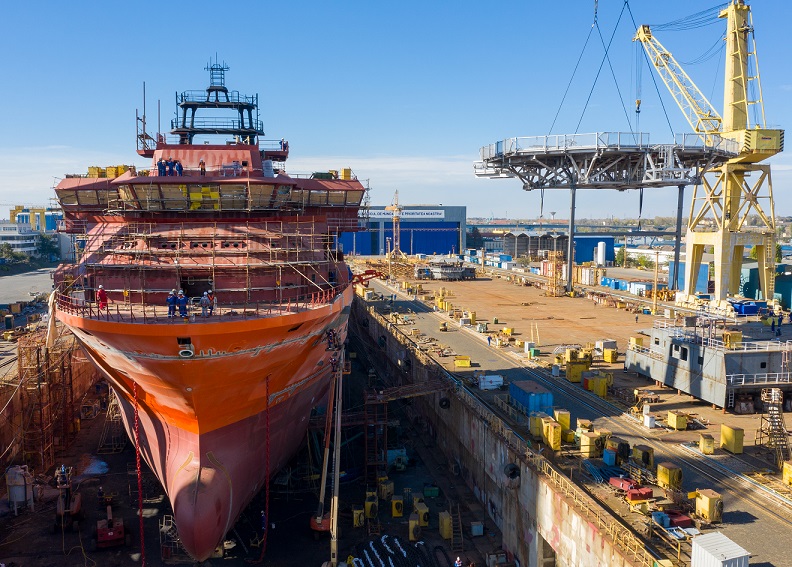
x: 730, y: 398
x: 773, y: 426
x: 457, y: 540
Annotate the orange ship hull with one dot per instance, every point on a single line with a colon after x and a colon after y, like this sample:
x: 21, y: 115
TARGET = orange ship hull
x: 203, y: 418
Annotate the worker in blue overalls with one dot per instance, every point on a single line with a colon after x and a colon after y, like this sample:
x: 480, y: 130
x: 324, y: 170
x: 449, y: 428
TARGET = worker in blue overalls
x: 171, y: 301
x: 182, y: 300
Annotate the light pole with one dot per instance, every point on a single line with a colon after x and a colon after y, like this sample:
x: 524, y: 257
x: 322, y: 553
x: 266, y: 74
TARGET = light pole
x: 388, y: 254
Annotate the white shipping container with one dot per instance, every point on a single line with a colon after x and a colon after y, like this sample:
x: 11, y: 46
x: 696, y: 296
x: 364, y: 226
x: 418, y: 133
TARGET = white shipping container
x: 490, y: 382
x: 716, y: 550
x: 649, y: 421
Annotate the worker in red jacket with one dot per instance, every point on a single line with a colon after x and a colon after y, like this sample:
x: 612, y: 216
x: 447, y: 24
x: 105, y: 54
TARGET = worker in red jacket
x: 101, y: 298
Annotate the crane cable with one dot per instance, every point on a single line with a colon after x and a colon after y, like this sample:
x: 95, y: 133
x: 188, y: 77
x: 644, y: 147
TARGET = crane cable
x: 654, y: 79
x: 599, y: 70
x: 574, y: 71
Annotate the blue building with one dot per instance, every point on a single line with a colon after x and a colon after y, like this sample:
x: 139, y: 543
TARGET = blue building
x: 424, y: 229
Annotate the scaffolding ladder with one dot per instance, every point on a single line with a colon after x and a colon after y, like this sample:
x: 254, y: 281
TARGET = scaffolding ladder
x: 772, y: 429
x: 376, y: 438
x: 113, y: 438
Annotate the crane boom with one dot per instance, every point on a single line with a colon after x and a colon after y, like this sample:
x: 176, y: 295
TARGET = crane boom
x: 726, y: 203
x: 700, y: 114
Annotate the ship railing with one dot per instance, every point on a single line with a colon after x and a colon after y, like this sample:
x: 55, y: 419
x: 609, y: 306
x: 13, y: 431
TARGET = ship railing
x: 228, y: 96
x: 756, y: 379
x: 137, y: 313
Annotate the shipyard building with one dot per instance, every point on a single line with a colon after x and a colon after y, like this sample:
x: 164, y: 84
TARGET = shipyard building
x: 424, y: 229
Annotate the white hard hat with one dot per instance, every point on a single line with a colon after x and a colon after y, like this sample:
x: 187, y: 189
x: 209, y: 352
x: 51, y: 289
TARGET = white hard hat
x: 180, y: 291
x: 101, y: 287
x: 173, y: 291
x: 210, y: 291
x: 206, y: 293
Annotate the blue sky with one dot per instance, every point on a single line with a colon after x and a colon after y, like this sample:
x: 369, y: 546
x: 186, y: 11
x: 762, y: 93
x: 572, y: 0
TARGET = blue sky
x: 404, y: 93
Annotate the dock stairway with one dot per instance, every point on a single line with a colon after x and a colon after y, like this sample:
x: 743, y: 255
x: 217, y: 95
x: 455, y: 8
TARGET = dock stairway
x: 772, y: 431
x: 457, y: 540
x: 113, y: 439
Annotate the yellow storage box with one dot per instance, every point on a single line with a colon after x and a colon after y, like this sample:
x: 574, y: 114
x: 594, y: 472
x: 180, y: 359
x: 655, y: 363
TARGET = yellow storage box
x: 732, y: 439
x: 551, y: 433
x: 535, y: 423
x: 446, y: 527
x: 462, y: 361
x: 386, y: 490
x: 677, y: 420
x: 610, y: 355
x: 563, y: 417
x: 786, y: 473
x: 706, y: 444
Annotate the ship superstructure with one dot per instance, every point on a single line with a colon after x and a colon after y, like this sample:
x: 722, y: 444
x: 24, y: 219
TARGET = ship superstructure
x: 223, y: 390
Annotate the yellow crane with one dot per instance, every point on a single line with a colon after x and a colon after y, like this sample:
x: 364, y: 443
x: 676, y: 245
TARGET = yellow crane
x: 720, y: 208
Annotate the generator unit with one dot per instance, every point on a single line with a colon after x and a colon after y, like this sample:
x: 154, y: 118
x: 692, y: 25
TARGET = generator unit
x: 414, y: 530
x: 397, y: 507
x: 370, y: 505
x: 358, y: 518
x: 423, y: 514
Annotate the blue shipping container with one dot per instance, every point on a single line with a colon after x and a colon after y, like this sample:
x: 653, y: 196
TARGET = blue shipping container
x: 531, y: 396
x: 609, y: 457
x: 623, y: 286
x: 702, y: 279
x: 614, y: 284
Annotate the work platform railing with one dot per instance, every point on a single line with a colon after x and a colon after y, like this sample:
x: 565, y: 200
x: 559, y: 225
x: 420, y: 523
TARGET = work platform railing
x: 142, y: 313
x: 698, y: 336
x: 766, y: 379
x: 601, y: 141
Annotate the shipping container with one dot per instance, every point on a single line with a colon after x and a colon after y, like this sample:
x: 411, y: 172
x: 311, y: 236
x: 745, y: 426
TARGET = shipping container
x: 530, y: 396
x: 716, y: 550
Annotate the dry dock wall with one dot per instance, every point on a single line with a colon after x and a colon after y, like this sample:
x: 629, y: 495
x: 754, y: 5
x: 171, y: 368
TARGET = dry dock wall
x: 545, y: 519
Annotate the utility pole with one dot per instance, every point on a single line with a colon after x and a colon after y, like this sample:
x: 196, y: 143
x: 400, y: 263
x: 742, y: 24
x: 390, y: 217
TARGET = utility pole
x: 654, y: 289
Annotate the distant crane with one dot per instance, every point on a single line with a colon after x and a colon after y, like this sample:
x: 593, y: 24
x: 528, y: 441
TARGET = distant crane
x: 396, y: 251
x: 719, y: 210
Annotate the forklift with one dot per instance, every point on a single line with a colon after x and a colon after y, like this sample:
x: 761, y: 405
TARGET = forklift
x: 68, y: 510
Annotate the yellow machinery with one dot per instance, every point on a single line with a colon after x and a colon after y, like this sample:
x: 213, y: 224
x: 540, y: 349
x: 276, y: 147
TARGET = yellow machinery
x: 591, y: 444
x: 444, y: 326
x: 727, y: 203
x: 669, y: 475
x: 732, y: 439
x: 644, y: 455
x: 414, y: 530
x: 732, y: 339
x: 446, y: 525
x: 397, y: 506
x: 709, y: 505
x: 386, y: 490
x: 370, y: 505
x: 358, y: 518
x: 422, y: 510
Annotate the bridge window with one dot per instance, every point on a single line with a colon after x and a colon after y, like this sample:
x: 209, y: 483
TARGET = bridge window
x: 354, y: 197
x: 763, y: 365
x: 684, y: 355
